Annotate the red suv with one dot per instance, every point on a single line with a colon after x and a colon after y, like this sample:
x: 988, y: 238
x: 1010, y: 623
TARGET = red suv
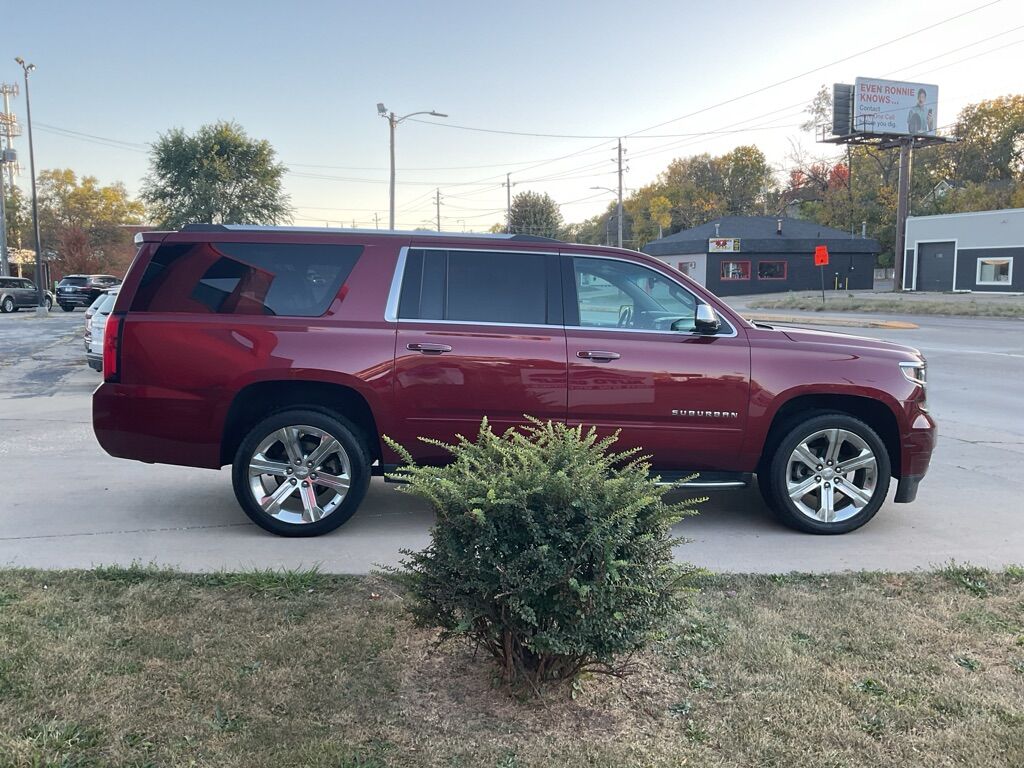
x: 287, y: 353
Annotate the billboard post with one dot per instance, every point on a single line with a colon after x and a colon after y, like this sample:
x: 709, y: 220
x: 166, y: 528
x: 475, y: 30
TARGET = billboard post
x: 902, y: 211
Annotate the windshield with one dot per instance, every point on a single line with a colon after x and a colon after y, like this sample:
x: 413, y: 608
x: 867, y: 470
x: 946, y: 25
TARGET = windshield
x: 74, y: 281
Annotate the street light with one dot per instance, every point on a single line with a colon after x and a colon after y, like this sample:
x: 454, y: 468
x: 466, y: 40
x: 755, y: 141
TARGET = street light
x: 618, y: 211
x: 392, y: 122
x: 40, y: 288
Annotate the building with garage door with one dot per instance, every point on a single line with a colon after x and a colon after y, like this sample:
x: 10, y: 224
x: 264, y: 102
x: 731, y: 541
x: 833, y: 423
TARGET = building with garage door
x: 965, y: 252
x: 762, y: 254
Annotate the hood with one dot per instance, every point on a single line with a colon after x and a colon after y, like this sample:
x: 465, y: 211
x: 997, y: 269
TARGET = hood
x: 851, y: 343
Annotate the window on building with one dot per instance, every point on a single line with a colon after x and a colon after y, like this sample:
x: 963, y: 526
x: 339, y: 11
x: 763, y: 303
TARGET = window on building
x: 618, y: 294
x: 475, y: 286
x: 995, y: 271
x: 735, y: 270
x: 772, y: 270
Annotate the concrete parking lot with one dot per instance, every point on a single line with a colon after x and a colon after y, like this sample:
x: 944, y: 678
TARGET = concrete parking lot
x: 65, y: 503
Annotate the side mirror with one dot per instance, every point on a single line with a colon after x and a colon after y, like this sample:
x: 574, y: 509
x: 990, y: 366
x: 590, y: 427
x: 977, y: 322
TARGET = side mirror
x: 705, y: 320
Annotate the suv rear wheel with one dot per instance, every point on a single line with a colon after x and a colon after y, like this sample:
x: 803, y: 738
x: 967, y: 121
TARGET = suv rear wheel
x: 829, y: 474
x: 301, y: 472
x: 68, y: 307
x: 8, y: 305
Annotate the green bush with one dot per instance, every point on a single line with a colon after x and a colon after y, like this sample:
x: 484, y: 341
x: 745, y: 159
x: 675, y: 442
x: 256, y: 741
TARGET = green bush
x: 550, y: 551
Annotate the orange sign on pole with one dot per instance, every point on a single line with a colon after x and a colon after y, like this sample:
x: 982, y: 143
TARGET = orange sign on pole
x: 820, y: 256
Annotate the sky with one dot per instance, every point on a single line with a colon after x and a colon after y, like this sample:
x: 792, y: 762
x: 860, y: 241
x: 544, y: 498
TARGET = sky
x: 306, y: 76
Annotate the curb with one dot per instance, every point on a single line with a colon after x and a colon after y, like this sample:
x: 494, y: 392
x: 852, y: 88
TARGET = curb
x: 810, y: 319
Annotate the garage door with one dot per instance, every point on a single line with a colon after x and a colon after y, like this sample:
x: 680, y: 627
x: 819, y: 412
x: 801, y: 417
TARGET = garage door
x: 935, y: 266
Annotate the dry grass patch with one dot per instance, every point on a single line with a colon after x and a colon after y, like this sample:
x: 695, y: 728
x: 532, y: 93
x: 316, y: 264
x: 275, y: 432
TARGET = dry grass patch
x: 894, y: 306
x: 132, y: 667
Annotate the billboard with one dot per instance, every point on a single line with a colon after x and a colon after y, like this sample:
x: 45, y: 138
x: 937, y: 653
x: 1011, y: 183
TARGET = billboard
x: 894, y: 107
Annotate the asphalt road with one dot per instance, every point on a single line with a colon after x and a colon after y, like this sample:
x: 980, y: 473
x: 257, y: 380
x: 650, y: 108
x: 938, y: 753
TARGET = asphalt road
x: 64, y: 503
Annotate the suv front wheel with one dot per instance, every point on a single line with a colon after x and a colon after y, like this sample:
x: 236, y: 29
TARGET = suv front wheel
x: 301, y: 472
x: 830, y: 474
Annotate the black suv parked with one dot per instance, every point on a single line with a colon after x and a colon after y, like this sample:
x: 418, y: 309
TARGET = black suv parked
x: 20, y: 293
x: 82, y: 290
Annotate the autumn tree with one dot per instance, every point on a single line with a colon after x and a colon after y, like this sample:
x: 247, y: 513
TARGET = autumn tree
x: 218, y: 175
x: 535, y: 213
x: 82, y: 222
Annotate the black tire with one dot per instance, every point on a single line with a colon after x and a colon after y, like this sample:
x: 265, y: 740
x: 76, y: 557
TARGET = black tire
x: 787, y: 510
x: 351, y: 440
x: 49, y: 304
x: 8, y: 305
x: 68, y: 307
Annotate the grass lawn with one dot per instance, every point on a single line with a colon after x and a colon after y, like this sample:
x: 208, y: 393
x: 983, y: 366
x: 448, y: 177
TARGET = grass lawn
x: 136, y: 667
x: 894, y: 306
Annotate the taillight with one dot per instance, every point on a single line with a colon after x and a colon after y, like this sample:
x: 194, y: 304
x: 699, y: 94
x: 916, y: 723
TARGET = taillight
x: 112, y: 348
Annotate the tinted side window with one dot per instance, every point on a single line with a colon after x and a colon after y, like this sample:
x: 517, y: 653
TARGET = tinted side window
x: 618, y: 294
x: 296, y: 280
x: 475, y: 286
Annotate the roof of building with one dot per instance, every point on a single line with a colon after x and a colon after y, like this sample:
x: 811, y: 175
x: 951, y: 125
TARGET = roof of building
x: 760, y: 234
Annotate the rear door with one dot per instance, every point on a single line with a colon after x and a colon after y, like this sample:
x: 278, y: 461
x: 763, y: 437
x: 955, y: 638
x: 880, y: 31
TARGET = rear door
x: 637, y: 365
x: 479, y: 334
x: 25, y: 292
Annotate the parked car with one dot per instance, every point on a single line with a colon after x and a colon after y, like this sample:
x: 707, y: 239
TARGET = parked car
x: 89, y: 312
x: 20, y: 293
x: 82, y: 290
x: 288, y: 353
x: 95, y: 326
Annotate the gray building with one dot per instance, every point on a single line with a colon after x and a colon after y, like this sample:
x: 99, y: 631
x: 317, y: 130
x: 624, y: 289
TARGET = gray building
x: 965, y: 252
x: 737, y: 255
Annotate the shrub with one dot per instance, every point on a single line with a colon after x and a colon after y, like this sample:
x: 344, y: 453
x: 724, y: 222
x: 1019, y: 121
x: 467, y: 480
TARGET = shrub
x: 550, y: 551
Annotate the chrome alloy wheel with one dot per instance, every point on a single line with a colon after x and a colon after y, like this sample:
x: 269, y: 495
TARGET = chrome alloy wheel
x: 831, y: 475
x: 299, y: 474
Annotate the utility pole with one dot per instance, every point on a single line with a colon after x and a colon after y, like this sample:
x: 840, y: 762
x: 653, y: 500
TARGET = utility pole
x: 376, y: 220
x: 620, y: 194
x: 5, y: 266
x: 40, y: 287
x: 508, y: 203
x: 902, y: 210
x: 438, y: 203
x: 393, y: 121
x: 391, y: 188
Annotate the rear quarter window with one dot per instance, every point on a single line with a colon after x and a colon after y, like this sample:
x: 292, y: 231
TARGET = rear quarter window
x: 290, y: 280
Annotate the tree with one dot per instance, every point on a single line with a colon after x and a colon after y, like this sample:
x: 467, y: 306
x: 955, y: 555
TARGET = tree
x: 19, y: 219
x: 534, y: 213
x: 83, y: 222
x: 217, y: 176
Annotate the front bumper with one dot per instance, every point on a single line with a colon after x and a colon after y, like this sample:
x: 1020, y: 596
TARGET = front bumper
x: 916, y: 446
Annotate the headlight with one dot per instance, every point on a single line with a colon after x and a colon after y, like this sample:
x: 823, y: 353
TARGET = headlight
x: 916, y: 372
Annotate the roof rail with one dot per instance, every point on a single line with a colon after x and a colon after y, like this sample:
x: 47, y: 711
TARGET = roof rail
x: 383, y: 232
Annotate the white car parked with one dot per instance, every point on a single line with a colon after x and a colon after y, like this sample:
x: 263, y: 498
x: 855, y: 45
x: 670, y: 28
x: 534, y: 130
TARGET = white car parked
x: 94, y: 329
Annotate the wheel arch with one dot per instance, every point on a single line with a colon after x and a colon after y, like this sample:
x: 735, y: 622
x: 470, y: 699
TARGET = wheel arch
x: 259, y: 399
x: 873, y: 412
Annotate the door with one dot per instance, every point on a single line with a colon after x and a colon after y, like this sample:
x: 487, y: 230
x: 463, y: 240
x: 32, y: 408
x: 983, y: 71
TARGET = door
x: 636, y: 364
x: 935, y: 266
x: 25, y: 292
x: 479, y: 334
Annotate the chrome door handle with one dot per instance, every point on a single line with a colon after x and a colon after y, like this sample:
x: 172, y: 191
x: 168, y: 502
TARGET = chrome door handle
x: 428, y: 349
x: 596, y: 354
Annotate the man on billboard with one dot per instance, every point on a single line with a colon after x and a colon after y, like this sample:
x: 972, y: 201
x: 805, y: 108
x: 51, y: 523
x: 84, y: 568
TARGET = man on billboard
x: 920, y: 119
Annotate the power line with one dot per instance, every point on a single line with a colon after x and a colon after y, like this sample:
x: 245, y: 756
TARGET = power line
x: 816, y: 69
